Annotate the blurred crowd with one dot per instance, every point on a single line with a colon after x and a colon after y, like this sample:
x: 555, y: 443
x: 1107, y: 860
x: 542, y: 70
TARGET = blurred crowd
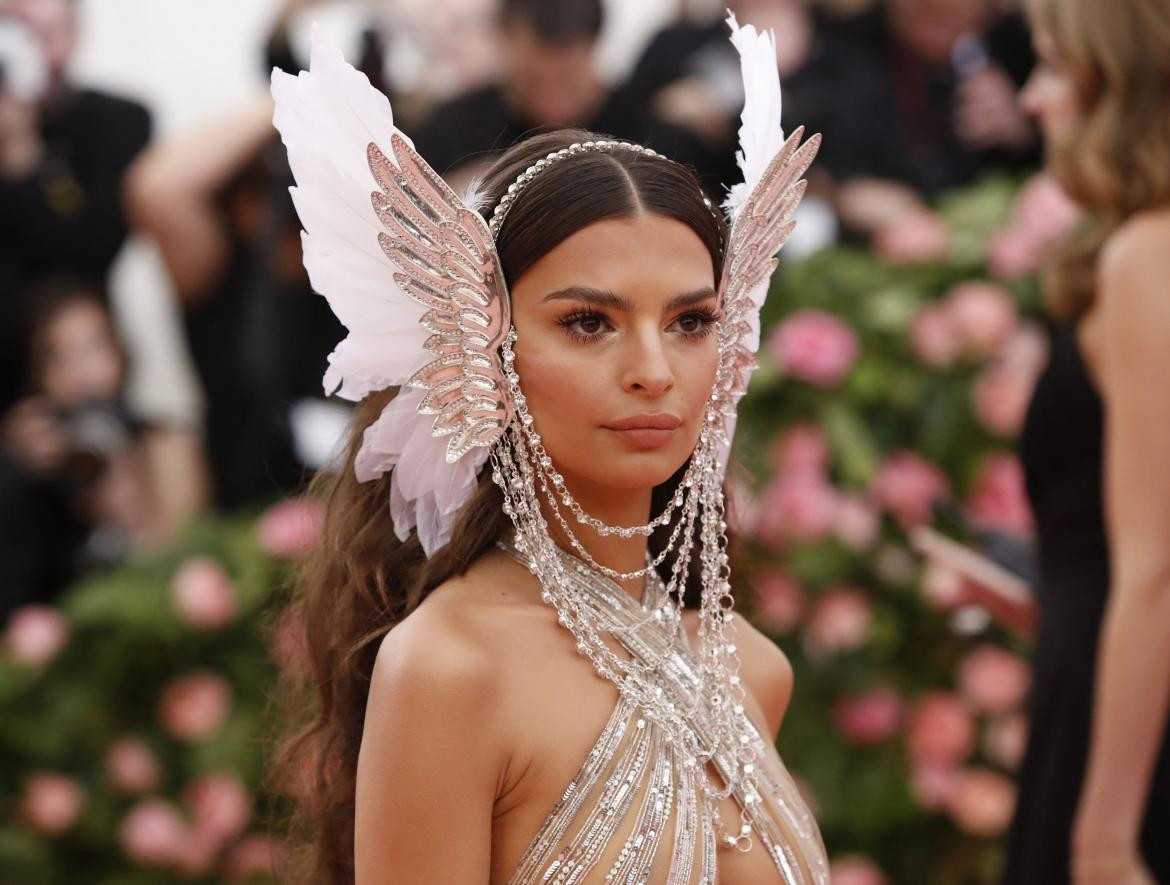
x: 914, y: 97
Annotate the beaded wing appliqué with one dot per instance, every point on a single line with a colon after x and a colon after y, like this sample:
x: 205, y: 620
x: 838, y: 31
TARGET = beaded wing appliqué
x: 446, y: 260
x: 760, y: 229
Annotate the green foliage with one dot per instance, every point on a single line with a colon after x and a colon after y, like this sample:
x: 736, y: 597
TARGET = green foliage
x: 127, y: 641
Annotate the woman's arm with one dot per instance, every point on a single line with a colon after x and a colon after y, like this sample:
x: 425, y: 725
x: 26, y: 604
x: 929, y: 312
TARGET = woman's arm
x: 1133, y: 681
x: 171, y: 191
x: 430, y: 759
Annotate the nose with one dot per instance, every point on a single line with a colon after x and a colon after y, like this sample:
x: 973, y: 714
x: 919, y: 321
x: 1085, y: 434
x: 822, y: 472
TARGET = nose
x: 1029, y: 97
x: 647, y: 369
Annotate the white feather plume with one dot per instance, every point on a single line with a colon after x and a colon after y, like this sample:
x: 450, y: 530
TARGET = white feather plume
x: 327, y: 116
x: 760, y: 132
x: 475, y: 196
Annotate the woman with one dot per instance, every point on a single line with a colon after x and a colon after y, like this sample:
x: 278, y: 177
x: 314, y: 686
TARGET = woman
x: 508, y: 687
x: 1095, y: 785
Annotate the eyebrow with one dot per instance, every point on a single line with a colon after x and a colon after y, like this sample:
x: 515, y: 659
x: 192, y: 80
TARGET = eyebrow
x: 615, y: 301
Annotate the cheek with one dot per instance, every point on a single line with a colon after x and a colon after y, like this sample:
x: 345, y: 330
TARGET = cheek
x: 695, y: 370
x: 558, y: 381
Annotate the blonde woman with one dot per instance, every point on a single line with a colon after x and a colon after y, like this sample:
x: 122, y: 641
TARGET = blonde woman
x: 1094, y: 804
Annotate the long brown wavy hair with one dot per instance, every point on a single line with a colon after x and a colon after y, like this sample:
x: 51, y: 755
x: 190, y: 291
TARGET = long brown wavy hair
x: 361, y: 580
x: 1116, y: 161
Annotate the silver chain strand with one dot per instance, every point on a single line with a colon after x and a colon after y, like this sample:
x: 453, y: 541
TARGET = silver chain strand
x: 519, y: 463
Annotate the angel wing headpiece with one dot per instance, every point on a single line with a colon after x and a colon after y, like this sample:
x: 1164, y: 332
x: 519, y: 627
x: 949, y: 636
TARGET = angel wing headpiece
x: 412, y: 272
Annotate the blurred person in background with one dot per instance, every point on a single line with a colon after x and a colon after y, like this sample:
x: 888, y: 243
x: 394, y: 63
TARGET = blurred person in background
x: 63, y: 153
x: 548, y: 81
x: 923, y: 99
x: 689, y: 73
x: 1094, y: 787
x: 83, y: 481
x: 216, y: 202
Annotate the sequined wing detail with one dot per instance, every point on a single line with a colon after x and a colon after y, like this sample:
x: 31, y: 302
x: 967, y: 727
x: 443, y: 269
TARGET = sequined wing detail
x: 446, y: 260
x: 759, y: 231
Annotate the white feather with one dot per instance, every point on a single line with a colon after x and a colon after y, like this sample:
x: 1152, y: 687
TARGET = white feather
x: 760, y: 132
x: 475, y: 197
x: 327, y: 116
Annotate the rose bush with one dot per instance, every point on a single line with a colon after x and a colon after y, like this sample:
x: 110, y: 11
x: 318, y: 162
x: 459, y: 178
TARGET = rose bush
x: 132, y: 715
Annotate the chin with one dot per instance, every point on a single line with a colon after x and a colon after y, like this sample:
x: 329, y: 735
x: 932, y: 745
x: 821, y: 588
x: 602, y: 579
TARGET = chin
x: 642, y: 470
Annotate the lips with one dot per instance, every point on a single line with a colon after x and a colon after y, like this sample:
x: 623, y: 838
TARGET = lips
x: 660, y: 421
x: 645, y: 431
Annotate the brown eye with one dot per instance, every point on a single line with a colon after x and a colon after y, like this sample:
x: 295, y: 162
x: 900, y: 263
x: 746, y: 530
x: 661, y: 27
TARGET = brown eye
x: 585, y: 326
x: 695, y: 324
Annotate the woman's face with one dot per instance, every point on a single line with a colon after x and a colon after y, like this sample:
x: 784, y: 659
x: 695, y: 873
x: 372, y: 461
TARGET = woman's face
x: 616, y: 350
x: 1050, y: 94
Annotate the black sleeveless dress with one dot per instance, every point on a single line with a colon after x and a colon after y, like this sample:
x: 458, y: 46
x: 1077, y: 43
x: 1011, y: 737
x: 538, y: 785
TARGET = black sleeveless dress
x: 1062, y: 449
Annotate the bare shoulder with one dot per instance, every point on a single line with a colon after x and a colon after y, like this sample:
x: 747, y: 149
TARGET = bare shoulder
x: 766, y: 670
x: 763, y: 667
x: 433, y: 731
x: 451, y: 644
x: 1135, y: 260
x: 434, y: 650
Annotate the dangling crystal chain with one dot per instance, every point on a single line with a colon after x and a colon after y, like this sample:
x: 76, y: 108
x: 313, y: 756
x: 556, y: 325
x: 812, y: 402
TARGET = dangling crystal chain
x: 517, y: 461
x: 549, y: 472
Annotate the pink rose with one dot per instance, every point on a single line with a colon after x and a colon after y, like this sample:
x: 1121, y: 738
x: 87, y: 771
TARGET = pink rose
x: 220, y: 808
x: 1001, y: 397
x: 801, y: 450
x: 36, y: 634
x: 290, y: 529
x: 857, y: 523
x: 920, y: 236
x: 908, y: 486
x: 202, y: 594
x: 1006, y: 740
x: 933, y: 784
x: 1025, y: 351
x: 940, y: 730
x: 982, y: 802
x: 814, y: 346
x: 251, y: 857
x: 1043, y: 216
x: 855, y: 870
x: 195, y: 706
x: 840, y: 622
x: 779, y: 601
x: 942, y: 587
x: 797, y: 508
x: 1013, y: 252
x: 993, y: 680
x: 998, y: 498
x: 870, y: 718
x: 935, y: 338
x: 51, y: 802
x: 1044, y: 208
x: 132, y: 766
x: 984, y: 315
x: 154, y: 834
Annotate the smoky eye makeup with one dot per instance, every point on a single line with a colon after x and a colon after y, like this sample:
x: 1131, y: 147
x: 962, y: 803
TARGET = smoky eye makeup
x: 588, y: 325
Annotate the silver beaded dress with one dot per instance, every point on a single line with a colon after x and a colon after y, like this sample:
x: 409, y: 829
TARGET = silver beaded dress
x: 634, y: 812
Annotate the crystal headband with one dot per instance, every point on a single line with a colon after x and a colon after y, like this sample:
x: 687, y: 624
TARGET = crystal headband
x: 525, y: 177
